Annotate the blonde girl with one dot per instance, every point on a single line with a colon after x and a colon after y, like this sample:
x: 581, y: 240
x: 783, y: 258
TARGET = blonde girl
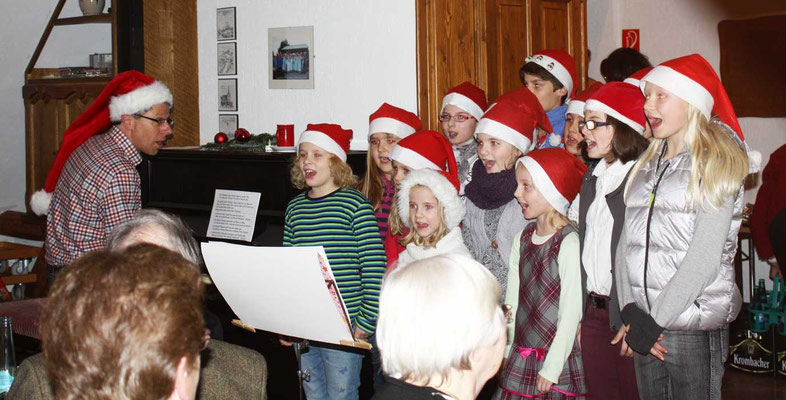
x: 545, y: 360
x: 675, y: 258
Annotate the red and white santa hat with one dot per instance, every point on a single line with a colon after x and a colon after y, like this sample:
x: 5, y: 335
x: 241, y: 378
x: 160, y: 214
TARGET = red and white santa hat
x: 467, y: 97
x: 393, y: 120
x: 513, y: 118
x: 621, y: 101
x: 425, y: 150
x: 127, y: 93
x: 635, y: 78
x: 576, y: 104
x: 443, y: 185
x: 330, y: 137
x: 559, y: 63
x: 693, y: 79
x: 556, y: 174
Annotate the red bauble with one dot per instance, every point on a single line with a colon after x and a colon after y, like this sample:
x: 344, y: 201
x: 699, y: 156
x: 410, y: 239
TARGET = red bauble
x: 221, y: 137
x: 242, y: 135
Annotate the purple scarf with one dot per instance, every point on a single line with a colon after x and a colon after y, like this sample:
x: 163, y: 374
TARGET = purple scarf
x: 490, y: 191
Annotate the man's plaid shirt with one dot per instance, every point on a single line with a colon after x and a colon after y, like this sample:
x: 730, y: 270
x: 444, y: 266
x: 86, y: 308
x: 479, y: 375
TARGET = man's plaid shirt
x: 98, y: 188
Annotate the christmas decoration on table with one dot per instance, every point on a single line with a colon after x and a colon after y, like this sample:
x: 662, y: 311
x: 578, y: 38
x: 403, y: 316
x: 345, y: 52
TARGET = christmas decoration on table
x: 242, y: 140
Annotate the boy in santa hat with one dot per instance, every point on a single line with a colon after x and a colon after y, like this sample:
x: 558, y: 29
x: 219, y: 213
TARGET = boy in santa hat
x: 333, y: 214
x: 551, y: 76
x: 93, y: 184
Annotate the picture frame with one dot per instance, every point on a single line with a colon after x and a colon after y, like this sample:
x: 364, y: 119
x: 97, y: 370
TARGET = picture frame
x: 227, y: 94
x: 226, y: 23
x: 227, y: 58
x: 291, y: 62
x: 228, y: 123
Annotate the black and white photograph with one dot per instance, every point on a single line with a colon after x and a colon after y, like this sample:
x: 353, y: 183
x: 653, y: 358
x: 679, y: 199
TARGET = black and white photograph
x: 226, y: 23
x: 227, y: 94
x: 228, y: 123
x: 291, y: 57
x: 227, y: 58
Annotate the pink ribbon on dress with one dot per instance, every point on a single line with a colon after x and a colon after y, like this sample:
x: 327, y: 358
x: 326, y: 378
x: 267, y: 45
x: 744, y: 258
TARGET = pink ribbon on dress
x: 540, y: 354
x: 525, y: 352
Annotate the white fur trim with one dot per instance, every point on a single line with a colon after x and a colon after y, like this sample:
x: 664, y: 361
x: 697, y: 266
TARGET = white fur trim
x: 544, y: 185
x: 324, y: 141
x: 555, y: 140
x: 559, y: 71
x: 632, y: 81
x: 503, y: 132
x: 681, y: 86
x: 412, y: 159
x: 575, y: 107
x: 442, y: 189
x: 595, y: 105
x: 39, y: 202
x: 390, y: 125
x: 139, y: 100
x: 462, y: 102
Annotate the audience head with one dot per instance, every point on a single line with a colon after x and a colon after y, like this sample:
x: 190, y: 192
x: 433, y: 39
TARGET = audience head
x: 461, y: 331
x: 124, y: 325
x: 622, y: 63
x: 159, y: 228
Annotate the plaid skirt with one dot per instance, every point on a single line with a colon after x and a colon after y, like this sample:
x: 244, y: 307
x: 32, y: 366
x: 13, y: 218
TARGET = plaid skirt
x: 519, y: 377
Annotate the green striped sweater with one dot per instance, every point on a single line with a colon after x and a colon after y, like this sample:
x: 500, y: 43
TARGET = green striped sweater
x: 343, y: 222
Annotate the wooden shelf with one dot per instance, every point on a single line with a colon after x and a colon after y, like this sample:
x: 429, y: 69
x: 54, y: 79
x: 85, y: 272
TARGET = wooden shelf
x: 45, y: 81
x: 16, y: 250
x: 16, y: 279
x: 90, y: 19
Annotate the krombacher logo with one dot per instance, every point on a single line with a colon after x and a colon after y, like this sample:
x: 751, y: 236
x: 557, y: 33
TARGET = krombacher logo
x: 753, y: 362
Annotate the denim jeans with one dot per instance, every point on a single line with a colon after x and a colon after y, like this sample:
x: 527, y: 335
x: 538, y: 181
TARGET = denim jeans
x: 693, y: 369
x: 376, y: 362
x: 335, y: 373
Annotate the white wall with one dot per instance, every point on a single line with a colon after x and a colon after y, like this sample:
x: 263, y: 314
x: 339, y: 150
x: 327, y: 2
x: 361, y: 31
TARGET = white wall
x: 364, y: 56
x: 68, y: 46
x: 669, y: 29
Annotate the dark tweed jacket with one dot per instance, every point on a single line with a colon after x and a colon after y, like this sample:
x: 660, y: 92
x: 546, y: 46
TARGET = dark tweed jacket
x: 228, y: 372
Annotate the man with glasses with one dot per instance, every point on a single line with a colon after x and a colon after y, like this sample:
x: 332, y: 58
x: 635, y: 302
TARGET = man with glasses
x: 93, y: 183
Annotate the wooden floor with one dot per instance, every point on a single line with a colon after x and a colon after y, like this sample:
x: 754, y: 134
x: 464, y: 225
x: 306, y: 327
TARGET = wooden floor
x: 738, y: 385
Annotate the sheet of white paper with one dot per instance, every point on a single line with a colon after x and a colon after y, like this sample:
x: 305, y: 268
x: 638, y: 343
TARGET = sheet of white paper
x: 234, y: 215
x: 277, y: 289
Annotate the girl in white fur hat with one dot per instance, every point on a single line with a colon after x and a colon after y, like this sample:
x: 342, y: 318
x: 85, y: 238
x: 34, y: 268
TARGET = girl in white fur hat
x: 429, y: 205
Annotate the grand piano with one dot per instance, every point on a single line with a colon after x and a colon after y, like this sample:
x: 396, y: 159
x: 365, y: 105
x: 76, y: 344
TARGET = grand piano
x: 183, y: 182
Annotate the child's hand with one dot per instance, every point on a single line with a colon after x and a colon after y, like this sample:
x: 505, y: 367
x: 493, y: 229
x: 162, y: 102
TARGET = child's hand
x: 360, y: 334
x: 578, y: 335
x: 283, y: 340
x: 625, y: 351
x: 659, y: 351
x: 543, y: 384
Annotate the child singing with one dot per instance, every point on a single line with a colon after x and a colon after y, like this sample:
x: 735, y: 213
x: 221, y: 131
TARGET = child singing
x: 545, y: 360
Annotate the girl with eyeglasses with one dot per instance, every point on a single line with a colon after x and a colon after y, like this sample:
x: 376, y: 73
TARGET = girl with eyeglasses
x: 462, y: 108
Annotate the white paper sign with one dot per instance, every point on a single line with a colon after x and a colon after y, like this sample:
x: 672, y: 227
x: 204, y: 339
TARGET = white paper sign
x: 279, y: 289
x: 234, y: 215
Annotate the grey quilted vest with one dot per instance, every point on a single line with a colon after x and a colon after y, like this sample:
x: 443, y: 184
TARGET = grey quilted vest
x: 671, y: 228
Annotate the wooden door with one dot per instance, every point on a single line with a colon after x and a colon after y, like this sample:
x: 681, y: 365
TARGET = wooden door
x: 508, y: 41
x: 171, y: 56
x: 562, y: 24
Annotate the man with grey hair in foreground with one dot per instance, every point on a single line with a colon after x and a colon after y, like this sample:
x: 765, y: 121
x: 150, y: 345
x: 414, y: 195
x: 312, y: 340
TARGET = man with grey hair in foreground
x: 441, y: 331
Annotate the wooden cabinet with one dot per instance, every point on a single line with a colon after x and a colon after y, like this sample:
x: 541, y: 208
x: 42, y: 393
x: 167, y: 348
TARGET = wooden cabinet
x: 486, y: 41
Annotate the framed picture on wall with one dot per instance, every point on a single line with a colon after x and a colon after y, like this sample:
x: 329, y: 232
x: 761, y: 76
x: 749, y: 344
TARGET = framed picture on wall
x: 227, y: 58
x: 228, y: 123
x: 226, y: 23
x: 227, y: 94
x: 291, y: 64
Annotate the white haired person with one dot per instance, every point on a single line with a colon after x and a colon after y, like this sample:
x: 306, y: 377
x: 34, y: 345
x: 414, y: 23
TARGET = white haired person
x: 441, y: 331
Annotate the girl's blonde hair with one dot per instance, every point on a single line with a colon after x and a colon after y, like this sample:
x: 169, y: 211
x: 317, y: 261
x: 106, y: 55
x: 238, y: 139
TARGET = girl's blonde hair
x: 372, y: 185
x: 431, y: 241
x: 719, y: 163
x: 394, y: 221
x: 339, y: 170
x: 555, y: 220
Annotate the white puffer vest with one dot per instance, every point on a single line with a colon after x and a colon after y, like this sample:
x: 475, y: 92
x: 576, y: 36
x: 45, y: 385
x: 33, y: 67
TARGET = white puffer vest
x: 671, y: 230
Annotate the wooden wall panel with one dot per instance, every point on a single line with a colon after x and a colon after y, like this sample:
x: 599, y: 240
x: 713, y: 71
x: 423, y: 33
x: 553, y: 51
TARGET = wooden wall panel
x: 170, y: 30
x: 507, y: 33
x: 562, y: 24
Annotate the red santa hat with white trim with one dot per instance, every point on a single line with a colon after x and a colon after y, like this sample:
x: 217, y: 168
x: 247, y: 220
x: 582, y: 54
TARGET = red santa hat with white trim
x: 427, y: 149
x: 513, y: 118
x: 621, y: 101
x: 393, y: 120
x: 331, y: 137
x: 558, y: 63
x: 576, y: 104
x: 693, y: 79
x: 467, y: 97
x: 127, y: 93
x: 443, y: 185
x: 556, y: 174
x: 635, y: 78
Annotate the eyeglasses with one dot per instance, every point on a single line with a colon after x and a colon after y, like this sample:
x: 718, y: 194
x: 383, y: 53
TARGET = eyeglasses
x: 457, y: 117
x: 160, y: 122
x: 591, y: 125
